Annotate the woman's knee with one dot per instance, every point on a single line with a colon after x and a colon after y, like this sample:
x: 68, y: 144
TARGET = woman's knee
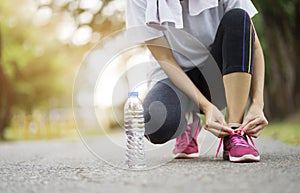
x: 157, y: 139
x: 235, y: 18
x: 161, y: 125
x: 162, y: 113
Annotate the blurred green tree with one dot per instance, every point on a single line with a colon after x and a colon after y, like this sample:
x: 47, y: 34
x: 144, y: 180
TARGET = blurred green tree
x: 5, y: 96
x: 31, y: 70
x: 37, y: 58
x: 279, y: 28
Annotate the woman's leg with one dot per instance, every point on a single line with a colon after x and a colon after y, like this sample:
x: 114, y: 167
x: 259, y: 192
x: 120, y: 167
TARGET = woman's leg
x: 233, y: 51
x: 234, y: 43
x: 164, y: 110
x: 236, y: 95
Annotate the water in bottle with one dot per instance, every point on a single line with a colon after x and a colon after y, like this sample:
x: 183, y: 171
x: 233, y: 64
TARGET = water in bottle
x: 134, y: 130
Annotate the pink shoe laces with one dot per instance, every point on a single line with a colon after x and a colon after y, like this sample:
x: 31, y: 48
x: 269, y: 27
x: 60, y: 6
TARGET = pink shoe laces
x: 184, y: 139
x: 237, y: 140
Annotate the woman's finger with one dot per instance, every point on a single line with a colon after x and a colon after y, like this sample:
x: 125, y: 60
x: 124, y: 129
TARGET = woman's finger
x: 258, y: 133
x: 255, y: 135
x: 259, y: 122
x: 255, y: 132
x: 218, y: 129
x: 252, y: 124
x: 218, y: 133
x: 218, y: 126
x: 246, y: 121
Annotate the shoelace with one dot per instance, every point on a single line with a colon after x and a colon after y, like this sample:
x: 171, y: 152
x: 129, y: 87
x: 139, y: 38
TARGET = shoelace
x: 238, y: 140
x: 185, y: 139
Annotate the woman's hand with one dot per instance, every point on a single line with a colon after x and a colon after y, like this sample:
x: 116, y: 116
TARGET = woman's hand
x: 255, y: 121
x: 215, y: 122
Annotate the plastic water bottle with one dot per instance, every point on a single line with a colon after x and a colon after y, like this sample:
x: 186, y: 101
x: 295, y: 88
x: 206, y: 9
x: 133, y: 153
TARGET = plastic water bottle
x: 134, y: 130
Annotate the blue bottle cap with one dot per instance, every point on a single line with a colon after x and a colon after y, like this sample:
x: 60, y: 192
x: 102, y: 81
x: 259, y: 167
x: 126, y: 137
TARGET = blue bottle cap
x: 133, y: 94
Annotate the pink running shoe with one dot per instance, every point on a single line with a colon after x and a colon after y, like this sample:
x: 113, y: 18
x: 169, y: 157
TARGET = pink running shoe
x: 186, y: 145
x: 237, y: 148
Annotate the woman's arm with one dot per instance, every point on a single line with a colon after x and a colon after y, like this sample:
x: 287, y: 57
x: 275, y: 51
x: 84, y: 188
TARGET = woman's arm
x: 163, y: 54
x: 161, y: 51
x: 258, y: 77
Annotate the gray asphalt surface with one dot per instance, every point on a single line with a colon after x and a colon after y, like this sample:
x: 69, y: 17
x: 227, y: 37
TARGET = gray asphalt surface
x: 67, y: 166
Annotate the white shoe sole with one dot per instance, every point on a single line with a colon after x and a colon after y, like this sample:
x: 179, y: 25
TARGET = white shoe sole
x: 186, y: 156
x: 245, y: 158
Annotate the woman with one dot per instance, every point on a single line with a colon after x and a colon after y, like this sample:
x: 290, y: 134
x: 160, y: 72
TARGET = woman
x: 225, y: 28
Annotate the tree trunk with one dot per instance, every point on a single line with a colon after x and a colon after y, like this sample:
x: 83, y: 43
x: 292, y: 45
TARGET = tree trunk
x: 297, y: 51
x: 282, y: 67
x: 5, y: 97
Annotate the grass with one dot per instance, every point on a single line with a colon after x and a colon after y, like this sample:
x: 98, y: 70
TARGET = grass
x: 53, y: 132
x: 287, y: 132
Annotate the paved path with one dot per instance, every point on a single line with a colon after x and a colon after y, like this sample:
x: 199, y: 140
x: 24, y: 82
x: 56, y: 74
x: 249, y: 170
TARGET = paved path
x: 67, y: 166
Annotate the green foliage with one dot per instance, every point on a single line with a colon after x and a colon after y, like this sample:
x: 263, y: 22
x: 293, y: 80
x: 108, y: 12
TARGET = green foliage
x: 39, y: 64
x: 276, y: 6
x: 278, y: 29
x: 259, y: 27
x: 284, y: 131
x: 33, y: 64
x: 282, y: 12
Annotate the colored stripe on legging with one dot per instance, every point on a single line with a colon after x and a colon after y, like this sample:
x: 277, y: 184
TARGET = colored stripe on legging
x: 250, y: 49
x: 244, y: 34
x: 252, y: 55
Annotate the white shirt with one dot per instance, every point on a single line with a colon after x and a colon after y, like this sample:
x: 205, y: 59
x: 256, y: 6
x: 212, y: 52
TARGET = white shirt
x: 199, y: 26
x: 161, y: 12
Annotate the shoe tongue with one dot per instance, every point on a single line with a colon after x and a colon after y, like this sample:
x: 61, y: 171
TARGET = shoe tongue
x: 241, y: 138
x: 236, y: 135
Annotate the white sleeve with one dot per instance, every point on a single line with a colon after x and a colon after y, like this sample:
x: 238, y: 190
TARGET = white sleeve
x: 136, y: 22
x: 135, y: 13
x: 247, y: 5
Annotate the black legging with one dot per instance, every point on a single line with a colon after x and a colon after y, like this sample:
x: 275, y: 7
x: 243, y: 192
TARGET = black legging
x: 165, y: 105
